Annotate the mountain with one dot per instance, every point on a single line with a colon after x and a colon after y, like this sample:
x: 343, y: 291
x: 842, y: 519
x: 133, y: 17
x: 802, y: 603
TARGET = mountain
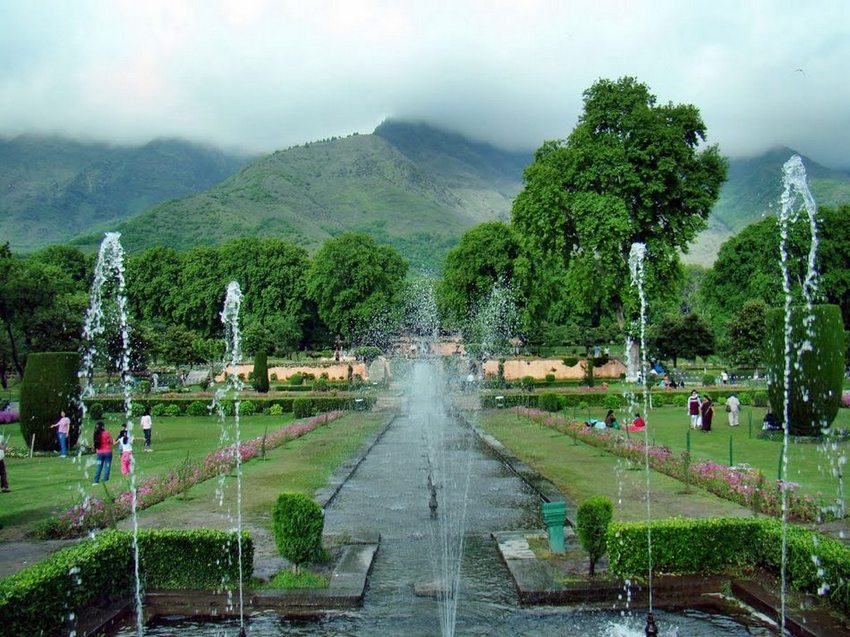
x: 410, y: 185
x: 51, y: 189
x: 753, y: 191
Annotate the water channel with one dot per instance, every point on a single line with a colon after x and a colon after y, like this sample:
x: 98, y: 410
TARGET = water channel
x: 477, y: 494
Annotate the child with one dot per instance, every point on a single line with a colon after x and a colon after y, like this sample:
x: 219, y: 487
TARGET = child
x: 125, y: 443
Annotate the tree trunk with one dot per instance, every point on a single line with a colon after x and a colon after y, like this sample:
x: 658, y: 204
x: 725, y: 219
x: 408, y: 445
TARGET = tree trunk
x: 592, y: 567
x: 14, y: 351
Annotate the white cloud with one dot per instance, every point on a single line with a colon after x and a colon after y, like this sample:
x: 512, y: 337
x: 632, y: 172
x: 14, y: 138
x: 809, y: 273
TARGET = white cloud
x: 266, y: 74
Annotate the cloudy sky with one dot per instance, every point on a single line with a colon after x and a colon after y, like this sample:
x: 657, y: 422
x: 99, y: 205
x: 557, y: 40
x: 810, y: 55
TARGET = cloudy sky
x: 261, y: 75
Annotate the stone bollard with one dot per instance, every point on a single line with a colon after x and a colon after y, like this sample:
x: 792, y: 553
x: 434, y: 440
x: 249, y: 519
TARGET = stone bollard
x: 554, y: 515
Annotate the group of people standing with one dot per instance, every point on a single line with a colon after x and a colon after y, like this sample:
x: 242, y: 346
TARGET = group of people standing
x: 701, y: 411
x: 103, y: 444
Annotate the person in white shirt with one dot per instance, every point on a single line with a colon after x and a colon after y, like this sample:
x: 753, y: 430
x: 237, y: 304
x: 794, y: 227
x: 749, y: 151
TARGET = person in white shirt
x: 146, y: 424
x: 733, y: 408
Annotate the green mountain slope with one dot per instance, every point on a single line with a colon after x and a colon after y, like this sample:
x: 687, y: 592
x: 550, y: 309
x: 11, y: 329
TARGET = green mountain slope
x: 753, y: 191
x: 412, y: 186
x: 51, y: 189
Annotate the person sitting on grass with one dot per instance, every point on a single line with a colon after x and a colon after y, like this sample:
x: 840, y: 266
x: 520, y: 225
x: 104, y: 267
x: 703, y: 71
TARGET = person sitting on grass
x: 611, y: 420
x: 638, y: 424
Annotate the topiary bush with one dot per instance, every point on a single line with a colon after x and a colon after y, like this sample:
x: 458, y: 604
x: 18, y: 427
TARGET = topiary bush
x: 549, y: 402
x: 302, y: 407
x: 260, y: 380
x: 527, y: 383
x: 659, y: 400
x: 247, y: 408
x: 297, y: 523
x: 320, y: 384
x: 50, y: 385
x: 816, y: 374
x: 708, y: 380
x: 137, y: 409
x: 760, y: 399
x: 550, y: 378
x: 173, y: 410
x: 145, y: 386
x: 275, y: 410
x: 745, y: 398
x: 95, y: 411
x: 297, y: 379
x: 679, y: 400
x: 592, y: 520
x: 197, y: 408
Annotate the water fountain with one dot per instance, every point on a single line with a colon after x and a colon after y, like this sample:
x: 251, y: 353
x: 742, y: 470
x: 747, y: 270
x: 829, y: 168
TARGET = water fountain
x: 231, y: 390
x: 109, y: 275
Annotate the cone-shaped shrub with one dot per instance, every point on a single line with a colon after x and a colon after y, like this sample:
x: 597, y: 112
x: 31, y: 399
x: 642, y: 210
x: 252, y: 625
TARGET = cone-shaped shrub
x: 50, y: 385
x: 298, y: 523
x: 815, y: 376
x: 261, y: 372
x: 592, y: 520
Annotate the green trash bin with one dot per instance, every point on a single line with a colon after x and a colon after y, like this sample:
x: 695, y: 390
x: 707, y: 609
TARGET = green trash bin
x: 554, y: 516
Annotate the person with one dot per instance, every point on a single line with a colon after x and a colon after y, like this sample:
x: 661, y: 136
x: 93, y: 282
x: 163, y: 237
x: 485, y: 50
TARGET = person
x: 611, y: 420
x: 724, y: 377
x: 706, y: 413
x: 63, y: 427
x: 733, y: 408
x: 103, y: 447
x: 146, y: 423
x: 694, y: 403
x: 638, y: 424
x: 4, y: 481
x: 125, y: 444
x: 769, y: 423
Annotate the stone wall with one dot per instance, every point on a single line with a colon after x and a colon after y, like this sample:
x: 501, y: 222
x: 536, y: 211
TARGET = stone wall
x: 517, y: 368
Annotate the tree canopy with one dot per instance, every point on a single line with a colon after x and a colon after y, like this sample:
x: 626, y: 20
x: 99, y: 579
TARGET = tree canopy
x: 630, y: 171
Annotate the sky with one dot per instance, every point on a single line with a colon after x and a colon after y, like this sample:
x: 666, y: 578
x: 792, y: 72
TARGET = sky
x: 257, y: 75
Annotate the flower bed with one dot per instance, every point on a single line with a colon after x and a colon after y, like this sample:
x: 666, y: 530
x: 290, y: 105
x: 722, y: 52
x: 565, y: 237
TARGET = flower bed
x: 7, y: 417
x: 95, y: 513
x: 745, y: 486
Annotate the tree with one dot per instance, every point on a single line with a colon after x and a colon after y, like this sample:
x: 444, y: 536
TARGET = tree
x: 747, y: 334
x: 485, y: 255
x: 686, y: 336
x: 352, y: 280
x: 177, y: 346
x: 630, y: 171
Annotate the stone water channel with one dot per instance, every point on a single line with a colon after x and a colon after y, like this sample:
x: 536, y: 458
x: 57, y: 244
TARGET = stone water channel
x: 477, y: 495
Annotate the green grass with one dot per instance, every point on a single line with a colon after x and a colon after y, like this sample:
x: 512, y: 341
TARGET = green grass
x: 288, y: 580
x: 581, y: 471
x: 42, y: 486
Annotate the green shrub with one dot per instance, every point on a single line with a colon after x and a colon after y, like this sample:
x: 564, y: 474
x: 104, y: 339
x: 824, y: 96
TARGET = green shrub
x: 745, y: 398
x: 659, y: 399
x: 550, y: 378
x: 570, y: 361
x: 273, y: 377
x: 50, y: 385
x: 197, y: 408
x: 527, y: 383
x: 38, y: 600
x: 173, y: 410
x: 275, y: 410
x: 320, y: 384
x: 302, y: 407
x: 159, y: 410
x: 548, y: 402
x: 145, y: 387
x: 583, y: 405
x: 817, y: 373
x: 588, y: 372
x: 137, y: 409
x: 679, y: 400
x: 296, y: 379
x: 95, y: 411
x: 592, y: 520
x: 760, y: 399
x: 708, y: 380
x: 297, y: 523
x: 247, y: 408
x: 611, y: 401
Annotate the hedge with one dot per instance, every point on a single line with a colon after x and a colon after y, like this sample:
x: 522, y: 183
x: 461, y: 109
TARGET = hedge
x: 599, y: 398
x: 39, y: 599
x: 180, y: 406
x: 714, y: 545
x: 51, y: 385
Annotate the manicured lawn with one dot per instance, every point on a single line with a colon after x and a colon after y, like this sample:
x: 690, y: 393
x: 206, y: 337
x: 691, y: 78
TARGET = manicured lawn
x: 581, y: 471
x: 809, y: 464
x: 42, y: 486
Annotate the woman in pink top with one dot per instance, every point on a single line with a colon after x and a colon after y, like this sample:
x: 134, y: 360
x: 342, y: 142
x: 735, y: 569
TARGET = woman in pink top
x: 62, y: 429
x: 103, y: 446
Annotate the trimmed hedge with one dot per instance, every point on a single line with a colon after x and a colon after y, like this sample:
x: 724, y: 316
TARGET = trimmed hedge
x: 180, y: 406
x: 39, y: 599
x: 50, y: 385
x: 602, y: 399
x: 714, y: 545
x: 592, y: 520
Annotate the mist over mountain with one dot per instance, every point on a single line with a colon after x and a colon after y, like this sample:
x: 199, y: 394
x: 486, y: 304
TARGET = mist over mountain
x: 409, y: 184
x: 51, y: 188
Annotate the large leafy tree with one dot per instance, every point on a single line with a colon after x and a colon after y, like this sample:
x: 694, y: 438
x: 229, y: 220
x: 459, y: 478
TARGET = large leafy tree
x: 748, y: 334
x: 747, y: 266
x: 681, y: 336
x: 486, y: 255
x: 353, y: 280
x: 630, y: 171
